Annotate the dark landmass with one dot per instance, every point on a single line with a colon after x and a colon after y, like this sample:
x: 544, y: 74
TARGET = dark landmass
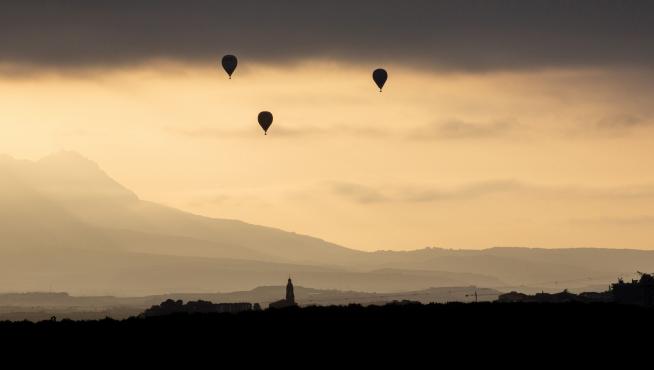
x: 637, y: 292
x: 561, y: 297
x: 458, y: 331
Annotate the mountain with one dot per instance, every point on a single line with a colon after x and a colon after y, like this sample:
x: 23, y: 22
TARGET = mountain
x: 65, y: 224
x: 31, y: 219
x: 66, y: 187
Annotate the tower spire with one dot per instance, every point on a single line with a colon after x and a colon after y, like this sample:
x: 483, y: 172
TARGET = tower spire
x: 290, y: 294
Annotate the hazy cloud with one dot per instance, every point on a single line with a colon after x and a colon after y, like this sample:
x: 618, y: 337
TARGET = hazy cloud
x: 623, y: 122
x: 332, y: 130
x: 368, y: 194
x: 454, y: 34
x: 358, y: 193
x: 452, y: 129
x: 365, y: 194
x: 279, y: 131
x: 207, y: 132
x: 457, y: 129
x: 635, y: 221
x: 463, y: 192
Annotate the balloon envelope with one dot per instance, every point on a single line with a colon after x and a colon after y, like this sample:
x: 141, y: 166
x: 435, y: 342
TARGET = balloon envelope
x: 265, y: 120
x: 229, y: 64
x: 380, y: 76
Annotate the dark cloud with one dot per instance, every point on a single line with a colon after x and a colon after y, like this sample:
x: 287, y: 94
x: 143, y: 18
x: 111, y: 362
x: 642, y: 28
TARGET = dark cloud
x: 454, y: 34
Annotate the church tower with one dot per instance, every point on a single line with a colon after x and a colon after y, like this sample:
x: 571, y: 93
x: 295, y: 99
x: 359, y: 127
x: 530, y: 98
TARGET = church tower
x: 289, y: 301
x: 290, y: 295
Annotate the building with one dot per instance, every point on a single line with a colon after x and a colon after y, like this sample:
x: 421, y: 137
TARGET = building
x: 170, y: 307
x: 289, y: 301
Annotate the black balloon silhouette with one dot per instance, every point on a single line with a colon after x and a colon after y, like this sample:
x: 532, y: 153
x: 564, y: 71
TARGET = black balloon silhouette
x: 380, y: 76
x: 265, y: 120
x: 229, y: 64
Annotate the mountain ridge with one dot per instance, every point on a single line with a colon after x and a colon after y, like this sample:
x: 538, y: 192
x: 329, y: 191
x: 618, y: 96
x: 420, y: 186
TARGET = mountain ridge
x: 99, y: 208
x: 64, y: 221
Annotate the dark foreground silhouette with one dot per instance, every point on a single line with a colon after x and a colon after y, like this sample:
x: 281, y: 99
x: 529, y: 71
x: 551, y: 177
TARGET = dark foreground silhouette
x: 491, y: 329
x: 637, y: 292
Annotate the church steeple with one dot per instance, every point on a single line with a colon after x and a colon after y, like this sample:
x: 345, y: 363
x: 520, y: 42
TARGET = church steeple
x: 290, y: 295
x: 289, y: 301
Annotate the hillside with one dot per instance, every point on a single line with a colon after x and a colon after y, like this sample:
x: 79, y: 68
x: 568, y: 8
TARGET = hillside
x: 66, y: 225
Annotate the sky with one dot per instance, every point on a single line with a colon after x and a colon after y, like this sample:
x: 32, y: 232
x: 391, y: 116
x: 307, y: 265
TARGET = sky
x: 503, y: 123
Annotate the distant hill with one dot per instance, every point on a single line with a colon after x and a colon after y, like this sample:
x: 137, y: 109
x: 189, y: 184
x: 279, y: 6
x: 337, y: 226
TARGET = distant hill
x: 263, y: 295
x: 312, y: 296
x: 91, y: 272
x: 42, y: 306
x: 66, y: 225
x: 529, y: 269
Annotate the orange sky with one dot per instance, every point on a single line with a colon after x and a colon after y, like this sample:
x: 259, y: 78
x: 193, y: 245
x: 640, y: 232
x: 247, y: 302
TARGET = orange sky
x: 548, y: 158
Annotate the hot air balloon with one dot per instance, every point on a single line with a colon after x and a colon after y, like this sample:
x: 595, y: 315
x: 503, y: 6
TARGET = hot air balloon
x: 229, y: 64
x: 380, y: 76
x: 265, y: 120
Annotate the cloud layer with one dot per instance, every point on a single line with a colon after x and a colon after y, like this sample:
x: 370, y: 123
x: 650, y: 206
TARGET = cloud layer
x: 364, y: 194
x: 460, y: 35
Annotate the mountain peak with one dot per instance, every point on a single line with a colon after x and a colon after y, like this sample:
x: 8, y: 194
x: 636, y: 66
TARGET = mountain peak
x: 68, y: 158
x: 68, y: 175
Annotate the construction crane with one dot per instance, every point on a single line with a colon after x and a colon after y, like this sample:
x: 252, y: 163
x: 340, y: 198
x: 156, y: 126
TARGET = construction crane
x: 476, y: 295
